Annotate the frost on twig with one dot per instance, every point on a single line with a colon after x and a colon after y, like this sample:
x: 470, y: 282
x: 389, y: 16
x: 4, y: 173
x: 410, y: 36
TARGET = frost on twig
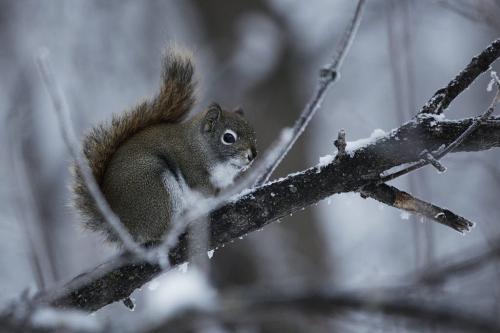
x: 328, y: 75
x: 494, y: 81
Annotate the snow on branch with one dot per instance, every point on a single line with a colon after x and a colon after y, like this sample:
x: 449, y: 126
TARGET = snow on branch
x: 434, y: 157
x: 118, y: 278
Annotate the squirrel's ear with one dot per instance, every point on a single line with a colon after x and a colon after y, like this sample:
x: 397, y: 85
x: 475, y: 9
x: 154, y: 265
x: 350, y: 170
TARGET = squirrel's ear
x: 211, y: 117
x: 239, y: 111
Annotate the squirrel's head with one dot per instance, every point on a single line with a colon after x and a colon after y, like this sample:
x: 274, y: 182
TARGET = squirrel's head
x: 231, y: 140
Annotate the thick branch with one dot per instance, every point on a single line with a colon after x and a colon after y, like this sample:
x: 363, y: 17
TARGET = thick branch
x: 116, y: 280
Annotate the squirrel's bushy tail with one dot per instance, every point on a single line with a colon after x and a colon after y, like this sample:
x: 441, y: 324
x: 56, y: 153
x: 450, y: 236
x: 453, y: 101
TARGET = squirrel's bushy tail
x: 172, y: 104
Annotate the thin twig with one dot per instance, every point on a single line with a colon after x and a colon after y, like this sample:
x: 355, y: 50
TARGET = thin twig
x: 328, y: 76
x: 434, y: 162
x: 443, y: 150
x: 72, y: 145
x: 457, y: 265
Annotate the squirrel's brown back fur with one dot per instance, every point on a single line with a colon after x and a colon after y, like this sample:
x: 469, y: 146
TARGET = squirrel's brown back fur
x: 171, y: 105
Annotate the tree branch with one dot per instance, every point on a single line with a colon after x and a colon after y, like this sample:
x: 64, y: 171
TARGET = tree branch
x: 478, y: 65
x: 117, y: 279
x: 458, y: 265
x: 428, y: 158
x: 396, y: 198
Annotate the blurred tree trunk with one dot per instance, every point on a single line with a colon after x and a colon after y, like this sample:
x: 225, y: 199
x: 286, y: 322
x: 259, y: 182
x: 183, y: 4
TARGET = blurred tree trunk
x: 25, y: 129
x: 275, y: 102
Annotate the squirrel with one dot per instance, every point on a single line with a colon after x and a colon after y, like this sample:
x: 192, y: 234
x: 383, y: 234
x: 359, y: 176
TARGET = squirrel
x: 152, y: 162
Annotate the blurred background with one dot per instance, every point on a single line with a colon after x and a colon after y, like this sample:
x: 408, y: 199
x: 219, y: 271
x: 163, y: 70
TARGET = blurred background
x: 262, y: 55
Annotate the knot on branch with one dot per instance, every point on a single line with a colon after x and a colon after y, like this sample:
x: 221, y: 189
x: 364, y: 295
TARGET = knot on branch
x: 341, y: 144
x: 433, y: 161
x: 328, y: 74
x: 434, y: 105
x: 129, y: 303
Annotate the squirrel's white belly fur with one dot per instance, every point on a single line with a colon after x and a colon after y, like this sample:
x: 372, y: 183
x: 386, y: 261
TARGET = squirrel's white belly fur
x: 222, y: 174
x: 183, y: 197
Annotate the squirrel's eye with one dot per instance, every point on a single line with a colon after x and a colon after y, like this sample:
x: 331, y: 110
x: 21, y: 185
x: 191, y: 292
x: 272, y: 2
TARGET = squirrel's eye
x: 229, y: 137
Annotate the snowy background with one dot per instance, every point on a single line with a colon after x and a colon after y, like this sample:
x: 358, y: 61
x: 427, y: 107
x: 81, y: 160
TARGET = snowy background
x: 263, y: 55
